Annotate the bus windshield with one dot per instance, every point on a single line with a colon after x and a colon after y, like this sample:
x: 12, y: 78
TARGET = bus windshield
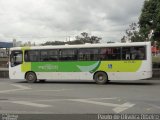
x: 16, y: 58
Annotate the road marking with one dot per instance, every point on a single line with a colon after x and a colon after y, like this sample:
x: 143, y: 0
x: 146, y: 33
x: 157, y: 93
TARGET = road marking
x: 101, y: 98
x: 6, y: 91
x: 148, y: 109
x: 94, y: 102
x: 30, y: 104
x: 118, y: 108
x: 153, y: 105
x: 20, y: 87
x: 58, y: 90
x: 123, y: 107
x: 73, y: 99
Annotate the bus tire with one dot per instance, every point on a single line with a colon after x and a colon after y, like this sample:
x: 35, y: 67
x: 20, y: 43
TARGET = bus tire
x: 31, y: 77
x: 100, y: 77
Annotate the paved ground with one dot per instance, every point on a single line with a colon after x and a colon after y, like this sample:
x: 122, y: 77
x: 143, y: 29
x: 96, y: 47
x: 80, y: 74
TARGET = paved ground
x: 78, y: 97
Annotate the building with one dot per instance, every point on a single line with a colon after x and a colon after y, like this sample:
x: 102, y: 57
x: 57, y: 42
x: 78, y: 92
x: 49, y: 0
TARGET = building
x: 4, y: 48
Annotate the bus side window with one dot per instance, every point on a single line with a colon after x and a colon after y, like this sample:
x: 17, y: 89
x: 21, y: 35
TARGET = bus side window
x: 133, y: 53
x: 140, y: 53
x: 126, y: 53
x: 110, y: 53
x: 53, y: 55
x: 103, y: 54
x: 32, y: 56
x: 44, y: 55
x: 68, y: 54
x: 88, y: 54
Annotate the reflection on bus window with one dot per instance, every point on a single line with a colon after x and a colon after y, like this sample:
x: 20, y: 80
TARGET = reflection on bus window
x: 68, y: 54
x: 31, y: 56
x: 41, y: 55
x: 133, y: 53
x: 110, y: 53
x: 140, y: 53
x: 52, y: 55
x: 88, y: 54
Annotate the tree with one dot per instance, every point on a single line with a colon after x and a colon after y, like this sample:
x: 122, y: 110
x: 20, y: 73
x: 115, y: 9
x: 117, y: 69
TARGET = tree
x: 132, y: 34
x: 150, y: 19
x: 84, y: 38
x: 54, y: 43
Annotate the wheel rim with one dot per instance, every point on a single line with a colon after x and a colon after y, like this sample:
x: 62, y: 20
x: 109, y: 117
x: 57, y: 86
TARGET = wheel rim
x: 101, y: 78
x: 31, y: 77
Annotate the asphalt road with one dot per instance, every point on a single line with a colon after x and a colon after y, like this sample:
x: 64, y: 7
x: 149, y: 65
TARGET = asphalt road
x: 79, y: 97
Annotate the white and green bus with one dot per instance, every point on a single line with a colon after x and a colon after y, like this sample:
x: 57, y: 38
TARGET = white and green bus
x: 98, y: 62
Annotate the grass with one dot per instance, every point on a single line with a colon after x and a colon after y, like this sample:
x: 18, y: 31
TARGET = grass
x: 156, y: 59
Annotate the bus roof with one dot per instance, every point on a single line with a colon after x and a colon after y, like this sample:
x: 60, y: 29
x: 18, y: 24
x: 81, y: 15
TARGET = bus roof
x: 83, y: 46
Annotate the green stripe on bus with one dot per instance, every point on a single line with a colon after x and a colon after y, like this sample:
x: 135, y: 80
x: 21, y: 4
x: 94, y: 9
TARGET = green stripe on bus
x: 63, y: 66
x: 83, y: 66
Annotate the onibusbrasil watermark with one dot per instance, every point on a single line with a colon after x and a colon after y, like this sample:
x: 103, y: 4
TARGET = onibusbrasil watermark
x: 7, y: 116
x: 128, y: 116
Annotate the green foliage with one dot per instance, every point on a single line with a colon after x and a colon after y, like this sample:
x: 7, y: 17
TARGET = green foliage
x: 84, y: 38
x: 156, y: 59
x: 132, y: 34
x: 150, y: 19
x: 53, y: 43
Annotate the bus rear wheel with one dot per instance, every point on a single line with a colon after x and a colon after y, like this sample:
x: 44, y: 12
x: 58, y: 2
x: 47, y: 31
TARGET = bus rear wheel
x: 101, y: 78
x: 31, y: 77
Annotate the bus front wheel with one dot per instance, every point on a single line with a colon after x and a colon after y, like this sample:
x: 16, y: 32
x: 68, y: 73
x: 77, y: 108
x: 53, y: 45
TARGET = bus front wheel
x: 31, y: 77
x: 101, y: 78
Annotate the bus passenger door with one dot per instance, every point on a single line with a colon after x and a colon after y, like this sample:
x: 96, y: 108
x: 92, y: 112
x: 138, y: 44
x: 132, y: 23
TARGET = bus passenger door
x: 16, y: 60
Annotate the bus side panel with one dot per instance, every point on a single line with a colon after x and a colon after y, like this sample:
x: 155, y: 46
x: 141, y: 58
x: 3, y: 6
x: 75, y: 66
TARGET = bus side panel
x: 65, y: 75
x: 129, y: 75
x: 143, y: 72
x: 15, y: 72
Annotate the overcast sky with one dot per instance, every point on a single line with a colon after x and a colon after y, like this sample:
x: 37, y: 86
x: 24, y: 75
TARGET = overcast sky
x: 43, y: 20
